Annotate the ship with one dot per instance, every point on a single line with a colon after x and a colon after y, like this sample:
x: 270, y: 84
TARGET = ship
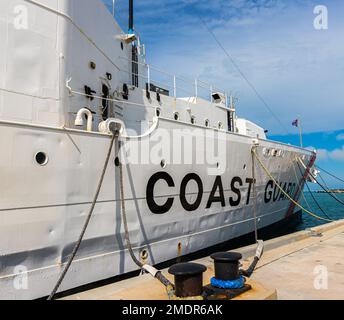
x: 69, y: 74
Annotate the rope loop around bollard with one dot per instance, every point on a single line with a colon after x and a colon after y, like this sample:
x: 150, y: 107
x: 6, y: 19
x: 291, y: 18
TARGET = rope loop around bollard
x: 229, y: 284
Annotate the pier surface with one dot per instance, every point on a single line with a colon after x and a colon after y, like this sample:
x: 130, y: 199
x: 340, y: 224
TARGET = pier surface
x: 305, y: 265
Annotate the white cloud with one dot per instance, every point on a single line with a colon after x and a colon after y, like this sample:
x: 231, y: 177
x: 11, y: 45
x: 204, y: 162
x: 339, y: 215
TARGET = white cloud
x: 296, y: 68
x: 337, y: 154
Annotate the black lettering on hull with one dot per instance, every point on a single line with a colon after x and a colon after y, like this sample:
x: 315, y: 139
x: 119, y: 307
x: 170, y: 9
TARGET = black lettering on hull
x: 221, y: 198
x: 235, y: 202
x: 153, y: 206
x: 188, y: 206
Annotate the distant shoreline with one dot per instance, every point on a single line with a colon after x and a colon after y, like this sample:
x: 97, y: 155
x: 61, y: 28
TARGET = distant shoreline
x: 332, y: 191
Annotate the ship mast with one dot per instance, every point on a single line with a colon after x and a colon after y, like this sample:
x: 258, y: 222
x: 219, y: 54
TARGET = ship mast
x: 131, y: 16
x: 135, y: 66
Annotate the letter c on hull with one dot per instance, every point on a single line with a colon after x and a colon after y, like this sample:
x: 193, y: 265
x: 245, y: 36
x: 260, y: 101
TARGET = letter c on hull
x: 153, y: 206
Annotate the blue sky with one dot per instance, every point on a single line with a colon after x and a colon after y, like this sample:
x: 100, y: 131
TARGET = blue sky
x: 297, y: 69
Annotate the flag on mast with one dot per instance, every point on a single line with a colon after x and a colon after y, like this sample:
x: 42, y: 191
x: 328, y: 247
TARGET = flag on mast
x: 297, y: 123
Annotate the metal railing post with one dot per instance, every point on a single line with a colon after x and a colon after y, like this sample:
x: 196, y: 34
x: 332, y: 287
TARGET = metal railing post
x: 196, y: 88
x: 175, y: 86
x: 211, y: 93
x: 148, y: 76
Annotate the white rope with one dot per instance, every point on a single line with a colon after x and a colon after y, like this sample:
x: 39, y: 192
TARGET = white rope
x: 302, y: 193
x: 254, y: 198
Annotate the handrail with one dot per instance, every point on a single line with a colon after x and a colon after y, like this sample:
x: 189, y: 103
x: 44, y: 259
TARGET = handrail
x: 196, y: 84
x: 71, y: 92
x: 151, y: 67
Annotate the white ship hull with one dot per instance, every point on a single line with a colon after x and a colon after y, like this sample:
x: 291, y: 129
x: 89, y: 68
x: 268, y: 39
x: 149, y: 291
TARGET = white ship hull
x: 174, y: 208
x: 42, y: 213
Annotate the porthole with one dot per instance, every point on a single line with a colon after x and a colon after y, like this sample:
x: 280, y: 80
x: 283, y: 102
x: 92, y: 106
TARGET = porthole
x: 93, y: 65
x: 207, y: 123
x: 41, y: 158
x: 176, y: 116
x: 193, y: 119
x: 158, y: 112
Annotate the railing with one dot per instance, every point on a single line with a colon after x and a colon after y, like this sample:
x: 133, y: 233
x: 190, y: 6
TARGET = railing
x: 178, y: 87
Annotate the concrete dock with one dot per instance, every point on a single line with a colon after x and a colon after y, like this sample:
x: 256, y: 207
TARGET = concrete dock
x: 305, y: 265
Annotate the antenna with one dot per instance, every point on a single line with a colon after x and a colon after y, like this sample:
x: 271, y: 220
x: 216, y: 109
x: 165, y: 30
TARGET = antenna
x: 113, y: 8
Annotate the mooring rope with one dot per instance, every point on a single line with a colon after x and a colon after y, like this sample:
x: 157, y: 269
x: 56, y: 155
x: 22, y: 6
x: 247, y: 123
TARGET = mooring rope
x: 284, y: 192
x: 254, y: 199
x: 330, y: 174
x: 302, y: 193
x: 325, y: 188
x: 82, y: 234
x: 314, y: 199
x: 155, y: 273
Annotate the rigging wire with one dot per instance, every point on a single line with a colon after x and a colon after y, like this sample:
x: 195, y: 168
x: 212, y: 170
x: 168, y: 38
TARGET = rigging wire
x: 328, y: 190
x: 236, y: 66
x: 330, y: 174
x: 314, y: 199
x: 325, y: 188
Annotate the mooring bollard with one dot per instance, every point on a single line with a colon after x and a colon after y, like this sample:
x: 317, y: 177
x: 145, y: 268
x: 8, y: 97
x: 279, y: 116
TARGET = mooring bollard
x: 226, y: 265
x: 188, y: 279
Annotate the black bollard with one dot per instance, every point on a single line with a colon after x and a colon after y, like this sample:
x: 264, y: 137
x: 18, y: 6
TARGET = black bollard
x: 227, y: 265
x: 188, y: 279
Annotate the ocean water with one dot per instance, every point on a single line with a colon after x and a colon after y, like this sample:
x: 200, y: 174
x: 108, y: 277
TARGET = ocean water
x: 331, y: 207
